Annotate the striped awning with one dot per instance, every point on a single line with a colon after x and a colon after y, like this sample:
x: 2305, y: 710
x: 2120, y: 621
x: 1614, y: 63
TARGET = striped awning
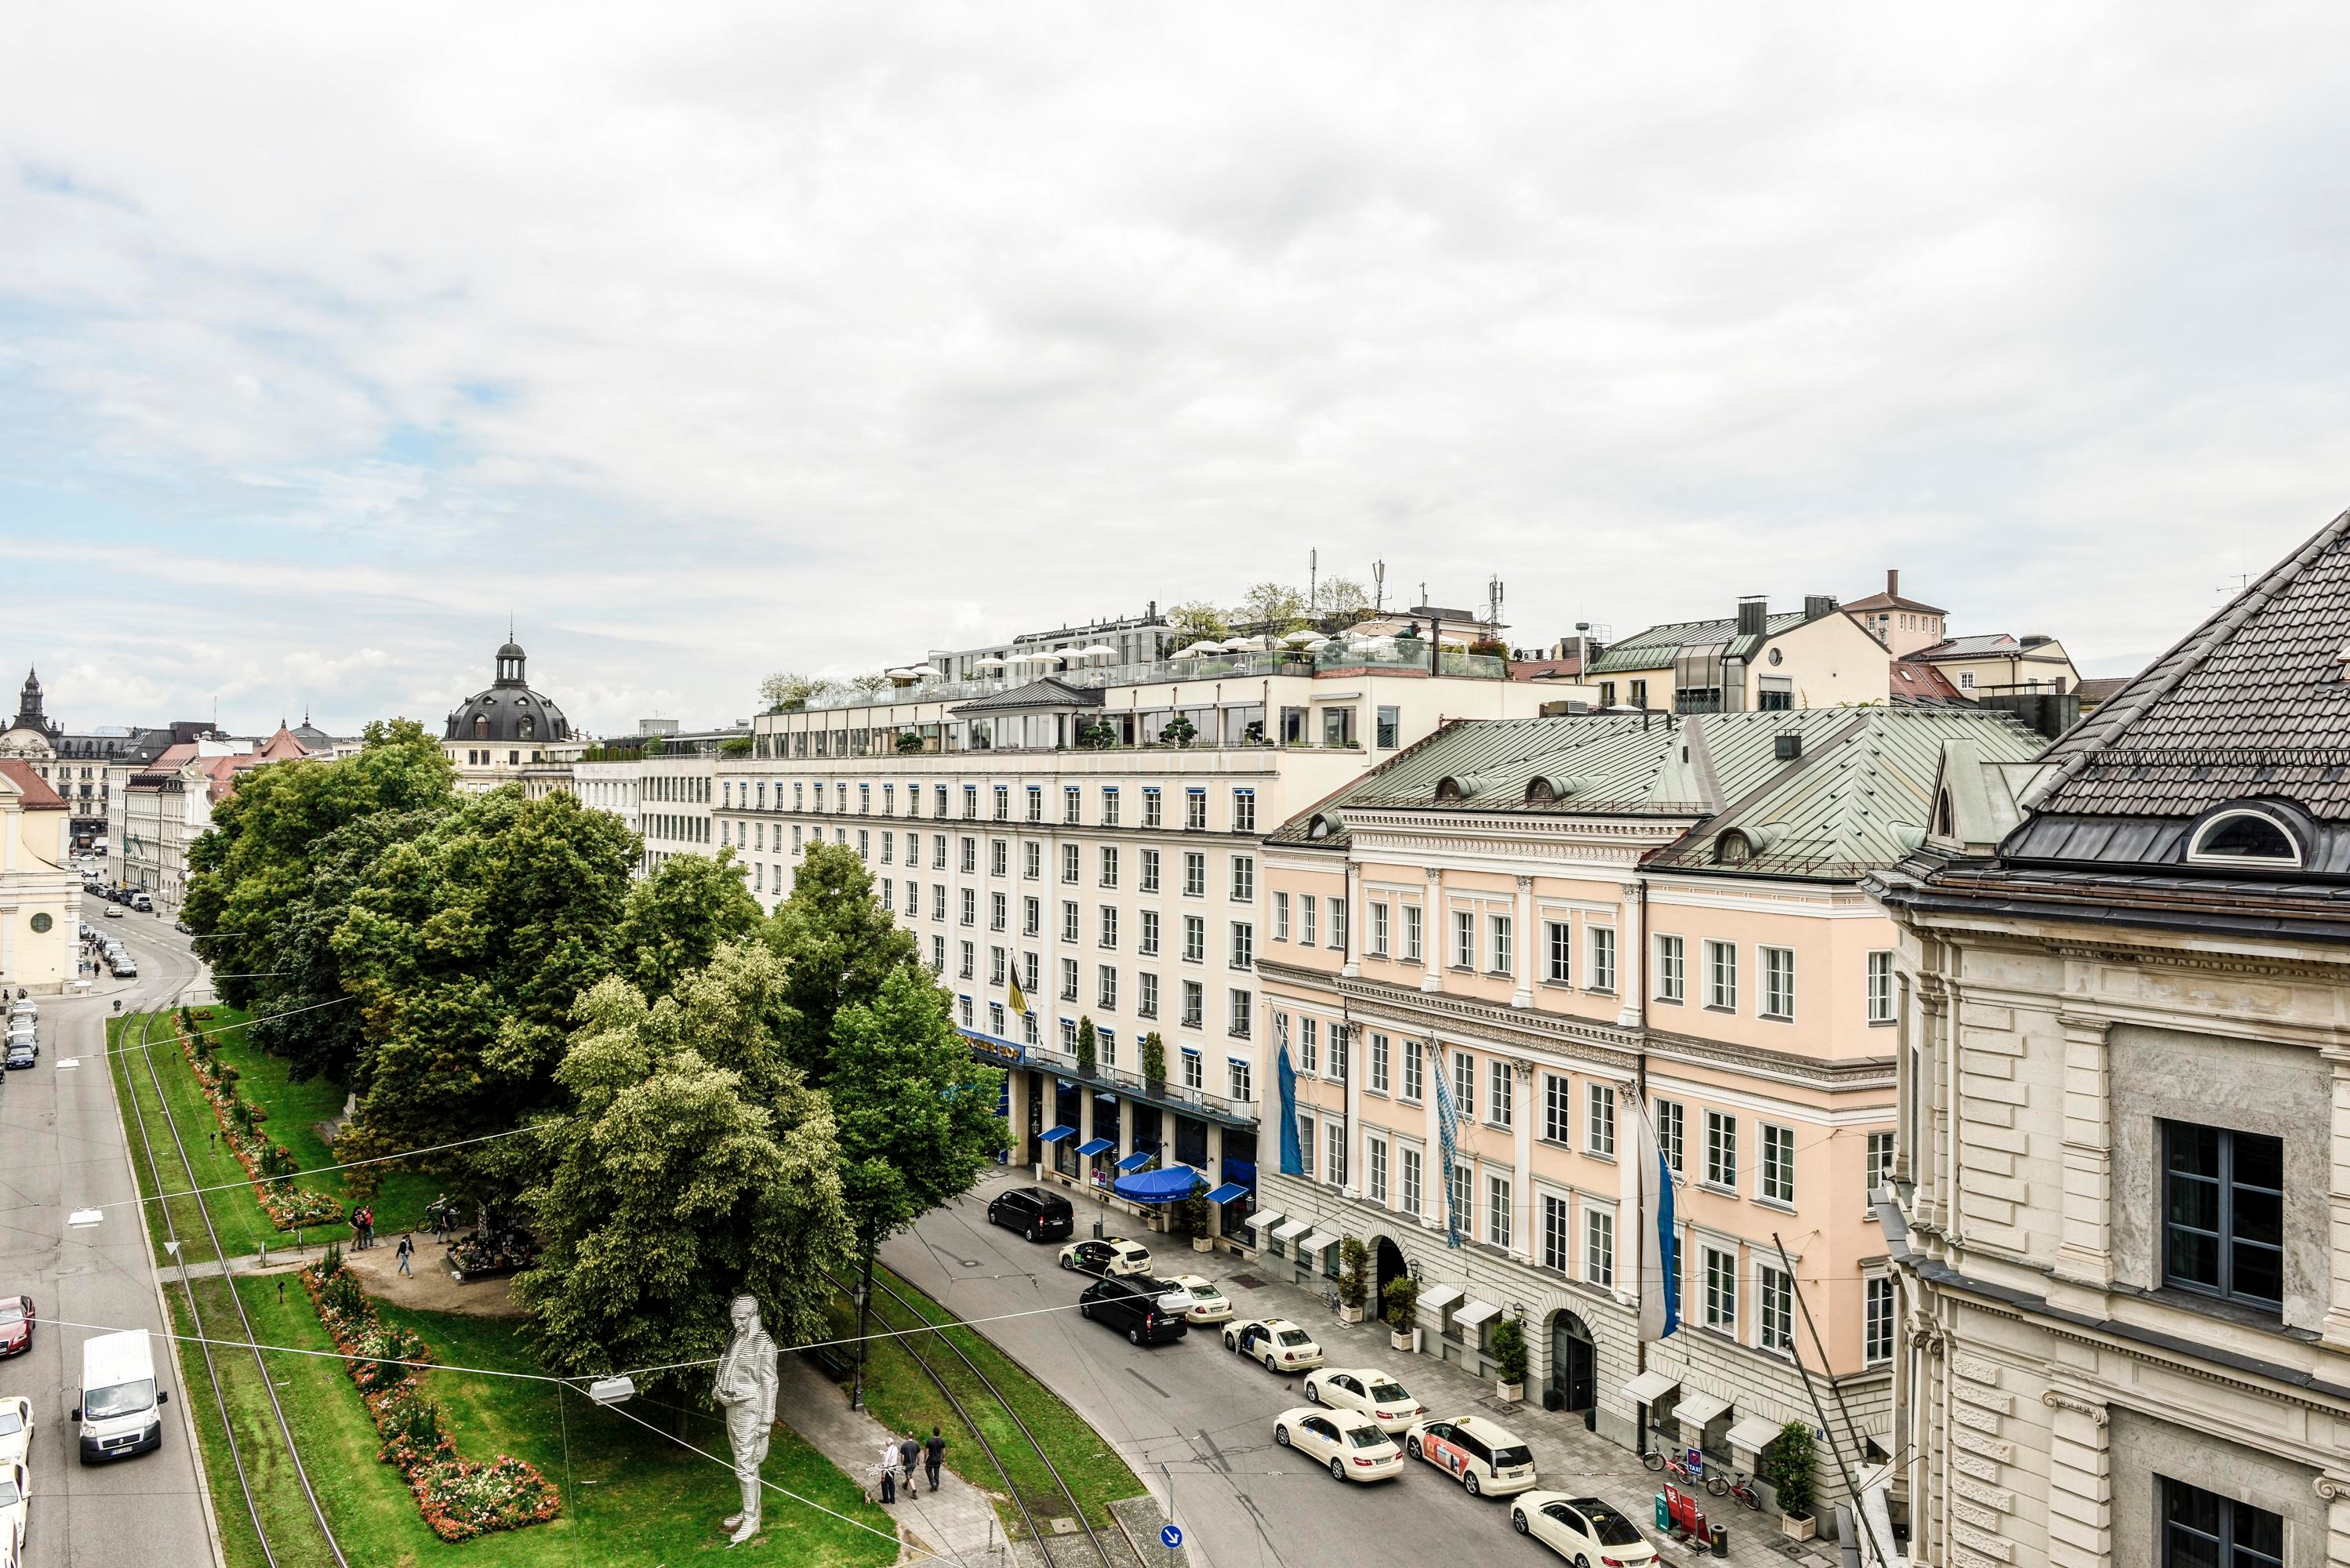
x: 1289, y: 1230
x: 1473, y: 1311
x: 1262, y: 1218
x: 1312, y: 1245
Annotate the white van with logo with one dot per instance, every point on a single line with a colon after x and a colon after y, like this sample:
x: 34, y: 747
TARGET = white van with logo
x: 122, y: 1410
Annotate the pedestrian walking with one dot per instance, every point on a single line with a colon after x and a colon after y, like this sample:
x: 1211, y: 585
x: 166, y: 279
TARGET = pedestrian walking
x: 407, y: 1249
x: 909, y: 1454
x: 935, y: 1455
x: 889, y: 1470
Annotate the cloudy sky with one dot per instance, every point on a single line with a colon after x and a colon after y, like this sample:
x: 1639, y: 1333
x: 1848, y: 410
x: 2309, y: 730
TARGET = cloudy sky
x: 816, y: 336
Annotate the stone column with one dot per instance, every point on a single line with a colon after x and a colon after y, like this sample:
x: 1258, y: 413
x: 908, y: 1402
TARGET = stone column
x: 1215, y: 1170
x: 2334, y: 1489
x: 1522, y: 1191
x: 1522, y: 961
x: 2085, y: 1250
x: 1631, y: 941
x: 1432, y: 935
x: 1352, y: 964
x: 2337, y: 1200
x: 2080, y: 1483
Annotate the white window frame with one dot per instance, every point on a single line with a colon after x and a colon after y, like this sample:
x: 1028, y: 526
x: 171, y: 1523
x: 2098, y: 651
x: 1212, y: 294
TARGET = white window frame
x: 1599, y: 1120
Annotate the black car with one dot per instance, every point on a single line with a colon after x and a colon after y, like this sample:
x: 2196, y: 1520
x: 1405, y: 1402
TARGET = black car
x: 1132, y: 1302
x: 1039, y: 1215
x: 22, y: 1051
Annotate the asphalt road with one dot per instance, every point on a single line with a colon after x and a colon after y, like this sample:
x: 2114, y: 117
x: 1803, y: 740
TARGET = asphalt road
x: 64, y: 1149
x: 1206, y: 1415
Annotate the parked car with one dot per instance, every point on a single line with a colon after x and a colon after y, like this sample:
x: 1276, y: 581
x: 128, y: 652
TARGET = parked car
x: 22, y: 1051
x: 125, y: 967
x: 1581, y: 1529
x: 1373, y: 1393
x: 1039, y: 1215
x: 1110, y: 1255
x: 143, y: 903
x: 184, y: 928
x: 1150, y: 1311
x: 16, y: 1495
x: 119, y: 1410
x: 16, y: 1317
x: 1280, y: 1343
x: 1208, y: 1304
x: 1483, y: 1456
x: 1349, y: 1445
x: 16, y: 1430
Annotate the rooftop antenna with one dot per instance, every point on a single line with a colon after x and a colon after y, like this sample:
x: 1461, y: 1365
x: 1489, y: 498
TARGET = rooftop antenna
x: 1378, y: 586
x: 1313, y: 567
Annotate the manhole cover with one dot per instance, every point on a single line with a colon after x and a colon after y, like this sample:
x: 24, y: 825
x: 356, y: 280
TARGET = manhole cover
x: 1064, y: 1527
x: 1246, y: 1282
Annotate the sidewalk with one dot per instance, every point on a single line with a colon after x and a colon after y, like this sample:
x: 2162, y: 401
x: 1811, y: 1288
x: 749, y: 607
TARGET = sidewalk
x: 1569, y: 1457
x: 956, y: 1523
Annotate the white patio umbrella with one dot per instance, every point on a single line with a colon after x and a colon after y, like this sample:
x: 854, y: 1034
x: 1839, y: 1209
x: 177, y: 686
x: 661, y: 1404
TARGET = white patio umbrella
x: 1099, y: 650
x: 1300, y: 639
x: 990, y: 662
x: 1194, y: 650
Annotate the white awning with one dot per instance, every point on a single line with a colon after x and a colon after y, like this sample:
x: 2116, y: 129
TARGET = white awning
x: 1316, y: 1242
x: 1292, y: 1230
x: 1440, y: 1298
x: 1699, y: 1408
x: 1262, y: 1218
x: 1755, y: 1433
x: 1650, y: 1386
x: 1473, y: 1311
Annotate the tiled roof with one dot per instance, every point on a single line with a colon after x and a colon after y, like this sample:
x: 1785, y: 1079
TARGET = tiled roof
x: 1894, y: 602
x: 38, y: 796
x: 1912, y: 683
x: 1975, y: 646
x: 2100, y: 688
x: 2252, y: 702
x: 1659, y: 644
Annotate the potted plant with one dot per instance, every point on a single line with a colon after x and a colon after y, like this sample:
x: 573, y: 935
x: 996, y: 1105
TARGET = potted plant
x: 1179, y: 733
x: 1787, y: 1466
x: 1154, y: 1063
x: 908, y: 742
x: 1508, y: 1347
x: 1087, y: 1047
x: 1354, y: 1282
x: 1401, y: 1304
x: 1192, y: 1212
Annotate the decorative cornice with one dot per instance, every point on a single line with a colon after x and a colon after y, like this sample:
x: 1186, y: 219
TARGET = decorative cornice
x: 2078, y: 1406
x: 2330, y: 1487
x: 2311, y: 968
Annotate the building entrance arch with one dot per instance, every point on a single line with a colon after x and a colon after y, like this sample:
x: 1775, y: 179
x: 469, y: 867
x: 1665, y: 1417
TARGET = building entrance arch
x: 1390, y: 1266
x: 1574, y: 1363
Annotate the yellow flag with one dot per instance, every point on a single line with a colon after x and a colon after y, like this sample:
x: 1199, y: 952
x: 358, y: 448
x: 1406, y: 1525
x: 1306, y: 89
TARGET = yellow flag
x: 1018, y: 1002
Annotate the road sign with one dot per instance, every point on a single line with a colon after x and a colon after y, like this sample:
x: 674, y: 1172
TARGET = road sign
x: 1171, y: 1536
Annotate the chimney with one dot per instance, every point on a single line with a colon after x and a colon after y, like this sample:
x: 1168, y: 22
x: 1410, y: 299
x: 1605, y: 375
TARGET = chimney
x: 1753, y: 611
x: 1893, y: 582
x: 1818, y: 605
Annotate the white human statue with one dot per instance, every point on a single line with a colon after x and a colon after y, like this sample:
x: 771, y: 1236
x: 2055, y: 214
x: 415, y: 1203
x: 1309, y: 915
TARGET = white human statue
x: 745, y: 1390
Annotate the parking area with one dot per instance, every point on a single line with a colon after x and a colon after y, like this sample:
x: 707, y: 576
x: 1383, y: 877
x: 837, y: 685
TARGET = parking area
x: 1197, y: 1423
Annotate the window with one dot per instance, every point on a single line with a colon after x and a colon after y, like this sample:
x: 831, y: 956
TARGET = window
x: 1309, y: 1040
x: 1243, y: 945
x: 1464, y: 1085
x: 1779, y: 983
x: 995, y: 969
x: 939, y: 901
x: 1195, y: 1006
x: 1411, y: 933
x: 1876, y: 1319
x: 2203, y: 1529
x: 970, y: 802
x: 1774, y: 1328
x: 998, y: 906
x: 2235, y: 837
x: 1281, y: 917
x: 1309, y: 907
x: 1339, y: 1036
x: 1409, y: 1198
x: 1554, y: 1247
x: 1243, y: 1005
x: 1721, y: 976
x: 1068, y: 980
x: 1032, y: 916
x: 1109, y: 926
x: 1028, y: 973
x: 1379, y: 1083
x: 1722, y: 1290
x: 1334, y: 1165
x: 1148, y: 946
x: 1599, y: 1120
x: 1150, y: 816
x: 1031, y: 861
x: 1236, y: 1070
x: 998, y: 851
x: 1305, y: 1147
x: 1243, y: 811
x: 1390, y: 728
x: 1150, y: 870
x: 2223, y: 1212
x: 1721, y: 1149
x: 1671, y: 981
x: 1109, y: 806
x: 1146, y: 995
x: 1072, y: 805
x: 1375, y: 1151
x: 1602, y: 958
x: 1195, y: 874
x: 1378, y: 930
x: 1413, y: 1059
x: 1497, y: 936
x: 1195, y: 1072
x: 1003, y: 803
x: 1500, y: 1092
x: 1109, y: 865
x: 1105, y: 989
x: 1497, y: 1210
x: 971, y: 906
x: 1244, y: 878
x: 1778, y: 1164
x: 1464, y: 938
x: 937, y: 850
x: 1195, y: 811
x: 1036, y: 803
x: 1338, y: 923
x: 1880, y: 987
x: 1878, y: 1171
x: 1069, y: 920
x: 1108, y: 1039
x: 1558, y: 952
x: 1195, y: 940
x: 970, y: 958
x: 1558, y: 1107
x: 1069, y: 862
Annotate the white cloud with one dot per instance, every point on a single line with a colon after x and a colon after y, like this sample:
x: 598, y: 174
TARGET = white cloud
x: 711, y: 342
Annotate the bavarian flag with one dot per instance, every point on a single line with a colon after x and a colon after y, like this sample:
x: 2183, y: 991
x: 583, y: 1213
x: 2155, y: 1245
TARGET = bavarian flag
x: 1018, y: 1003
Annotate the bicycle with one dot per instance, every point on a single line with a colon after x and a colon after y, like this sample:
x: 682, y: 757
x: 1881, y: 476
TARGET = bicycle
x: 1733, y: 1485
x: 1667, y: 1457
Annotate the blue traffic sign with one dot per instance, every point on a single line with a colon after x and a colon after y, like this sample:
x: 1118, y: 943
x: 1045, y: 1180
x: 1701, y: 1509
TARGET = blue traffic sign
x: 1170, y: 1537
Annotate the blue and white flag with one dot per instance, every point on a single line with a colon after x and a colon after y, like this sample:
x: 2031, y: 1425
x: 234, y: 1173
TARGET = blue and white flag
x: 1292, y: 1162
x: 1660, y: 1256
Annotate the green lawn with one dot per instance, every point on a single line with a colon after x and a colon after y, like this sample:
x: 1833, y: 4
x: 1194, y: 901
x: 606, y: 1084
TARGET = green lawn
x: 901, y: 1397
x: 236, y: 1211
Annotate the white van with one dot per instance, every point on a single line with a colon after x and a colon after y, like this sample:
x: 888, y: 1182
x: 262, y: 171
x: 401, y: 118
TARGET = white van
x: 121, y: 1411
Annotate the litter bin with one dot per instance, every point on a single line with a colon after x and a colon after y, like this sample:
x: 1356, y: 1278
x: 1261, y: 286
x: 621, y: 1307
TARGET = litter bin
x: 1664, y: 1512
x: 1721, y: 1542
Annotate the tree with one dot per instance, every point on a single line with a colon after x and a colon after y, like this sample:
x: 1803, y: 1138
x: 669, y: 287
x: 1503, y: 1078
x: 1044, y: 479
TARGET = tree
x: 1788, y: 1465
x: 916, y: 1115
x: 1273, y: 608
x: 1341, y: 599
x: 839, y: 945
x: 1154, y: 1060
x: 785, y: 691
x: 872, y: 683
x: 1179, y: 733
x: 1400, y: 1304
x: 1354, y: 1271
x: 1089, y: 1044
x: 655, y: 746
x: 908, y: 742
x: 676, y: 918
x: 1509, y: 1349
x: 1189, y: 1212
x: 1196, y: 622
x: 735, y: 746
x: 680, y: 1182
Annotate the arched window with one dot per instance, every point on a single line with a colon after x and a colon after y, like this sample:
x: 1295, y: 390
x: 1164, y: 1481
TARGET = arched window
x: 480, y: 726
x: 1733, y: 848
x: 2242, y: 837
x: 1942, y: 816
x: 1541, y: 792
x: 529, y: 727
x: 1449, y: 789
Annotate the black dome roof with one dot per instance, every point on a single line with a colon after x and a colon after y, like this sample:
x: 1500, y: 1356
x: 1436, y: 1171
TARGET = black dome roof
x: 509, y: 711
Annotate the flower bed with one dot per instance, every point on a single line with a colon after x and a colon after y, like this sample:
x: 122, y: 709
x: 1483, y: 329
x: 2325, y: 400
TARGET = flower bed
x: 459, y: 1498
x: 270, y: 1165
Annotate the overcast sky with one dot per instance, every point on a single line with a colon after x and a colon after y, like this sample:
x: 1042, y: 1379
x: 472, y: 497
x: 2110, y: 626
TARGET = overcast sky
x: 818, y: 337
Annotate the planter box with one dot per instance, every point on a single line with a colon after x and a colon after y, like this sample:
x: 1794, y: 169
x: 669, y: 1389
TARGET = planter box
x: 1512, y: 1392
x: 1797, y: 1529
x: 1203, y: 1243
x: 1349, y: 1315
x: 1401, y: 1341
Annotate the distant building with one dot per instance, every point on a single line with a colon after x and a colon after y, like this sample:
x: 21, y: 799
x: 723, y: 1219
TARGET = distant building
x: 1817, y: 657
x: 40, y: 898
x: 503, y: 730
x: 1903, y: 625
x: 1999, y: 664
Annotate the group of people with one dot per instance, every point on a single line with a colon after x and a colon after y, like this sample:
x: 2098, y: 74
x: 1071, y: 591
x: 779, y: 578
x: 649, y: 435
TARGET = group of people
x: 900, y: 1455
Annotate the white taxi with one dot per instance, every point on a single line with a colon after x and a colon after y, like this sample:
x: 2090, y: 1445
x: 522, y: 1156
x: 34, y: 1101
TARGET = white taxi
x: 1346, y: 1443
x: 1581, y: 1530
x: 16, y: 1430
x: 16, y: 1491
x: 1485, y: 1458
x: 1208, y: 1304
x: 1375, y: 1393
x: 1280, y: 1343
x: 1111, y: 1255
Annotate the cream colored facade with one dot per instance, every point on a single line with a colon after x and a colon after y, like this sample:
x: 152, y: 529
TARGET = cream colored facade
x: 40, y: 895
x: 1820, y: 657
x: 2002, y: 666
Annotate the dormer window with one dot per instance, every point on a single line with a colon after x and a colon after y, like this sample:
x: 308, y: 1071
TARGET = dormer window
x: 1943, y: 816
x: 1541, y: 792
x: 1449, y: 789
x: 1733, y: 848
x: 2242, y: 837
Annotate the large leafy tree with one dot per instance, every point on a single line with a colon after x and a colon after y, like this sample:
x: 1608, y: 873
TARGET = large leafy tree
x: 698, y: 1164
x: 839, y: 944
x: 677, y: 918
x: 916, y: 1115
x: 1273, y: 607
x: 466, y: 947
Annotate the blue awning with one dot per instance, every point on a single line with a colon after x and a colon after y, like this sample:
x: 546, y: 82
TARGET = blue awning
x: 1095, y: 1146
x: 1227, y: 1192
x: 1055, y: 1135
x: 1137, y: 1159
x: 1158, y: 1186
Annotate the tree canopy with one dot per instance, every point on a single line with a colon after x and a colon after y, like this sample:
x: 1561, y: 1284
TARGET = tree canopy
x: 840, y: 945
x: 1198, y: 621
x: 916, y: 1113
x: 676, y: 918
